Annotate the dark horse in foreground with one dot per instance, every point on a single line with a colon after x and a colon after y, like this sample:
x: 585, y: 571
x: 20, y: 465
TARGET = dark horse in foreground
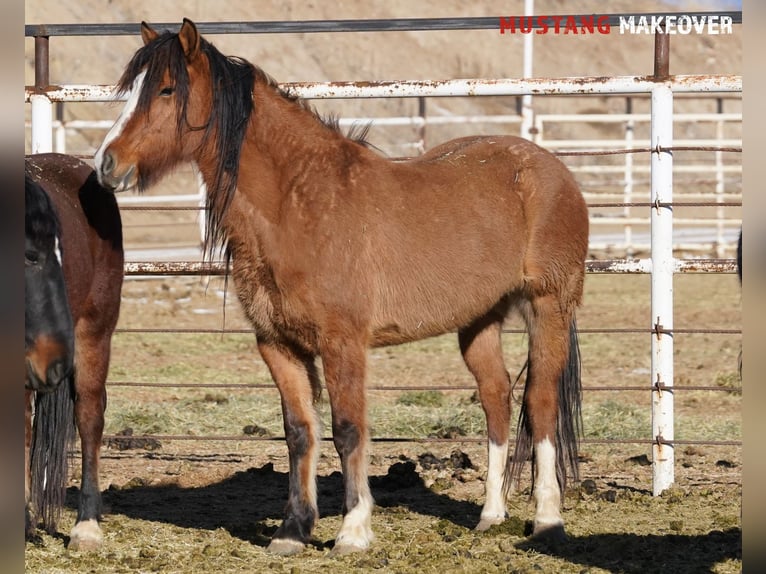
x: 73, y: 280
x: 335, y: 249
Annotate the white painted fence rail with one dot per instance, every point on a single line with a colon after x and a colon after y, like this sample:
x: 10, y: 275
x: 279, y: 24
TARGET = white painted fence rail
x: 719, y: 233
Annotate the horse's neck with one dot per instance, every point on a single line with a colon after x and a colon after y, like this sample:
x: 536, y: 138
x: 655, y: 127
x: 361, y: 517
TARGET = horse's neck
x: 287, y: 132
x: 284, y: 143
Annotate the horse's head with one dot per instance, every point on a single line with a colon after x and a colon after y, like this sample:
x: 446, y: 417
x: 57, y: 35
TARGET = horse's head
x: 166, y: 118
x: 49, y: 331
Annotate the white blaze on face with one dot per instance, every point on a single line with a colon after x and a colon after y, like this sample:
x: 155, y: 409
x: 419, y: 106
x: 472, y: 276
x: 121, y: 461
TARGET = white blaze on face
x: 119, y: 124
x: 57, y: 250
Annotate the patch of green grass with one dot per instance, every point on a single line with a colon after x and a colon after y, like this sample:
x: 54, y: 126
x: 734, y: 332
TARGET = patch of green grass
x: 193, y: 412
x: 453, y: 418
x: 421, y: 398
x: 702, y: 427
x: 186, y: 358
x: 616, y: 419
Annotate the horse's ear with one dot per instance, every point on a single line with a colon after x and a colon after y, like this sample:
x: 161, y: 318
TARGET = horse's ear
x: 147, y: 33
x: 189, y: 38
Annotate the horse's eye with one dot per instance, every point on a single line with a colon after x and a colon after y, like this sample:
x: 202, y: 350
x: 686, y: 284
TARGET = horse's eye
x: 31, y: 258
x: 167, y: 91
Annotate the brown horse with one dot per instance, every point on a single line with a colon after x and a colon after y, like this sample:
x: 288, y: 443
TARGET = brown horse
x: 90, y: 236
x: 335, y: 249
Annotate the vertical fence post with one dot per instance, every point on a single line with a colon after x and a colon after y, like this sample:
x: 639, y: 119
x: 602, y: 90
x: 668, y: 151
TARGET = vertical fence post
x: 421, y: 145
x: 720, y: 243
x: 42, y: 107
x: 527, y: 112
x: 60, y: 131
x: 627, y: 192
x: 663, y: 264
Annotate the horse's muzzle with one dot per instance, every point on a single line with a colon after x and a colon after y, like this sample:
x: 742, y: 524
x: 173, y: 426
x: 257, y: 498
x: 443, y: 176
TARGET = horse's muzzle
x: 109, y: 177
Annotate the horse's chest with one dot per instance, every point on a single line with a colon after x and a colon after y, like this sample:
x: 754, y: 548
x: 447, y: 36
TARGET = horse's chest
x: 273, y: 314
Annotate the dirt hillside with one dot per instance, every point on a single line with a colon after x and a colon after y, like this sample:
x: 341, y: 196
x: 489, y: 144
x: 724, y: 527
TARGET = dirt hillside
x: 388, y: 55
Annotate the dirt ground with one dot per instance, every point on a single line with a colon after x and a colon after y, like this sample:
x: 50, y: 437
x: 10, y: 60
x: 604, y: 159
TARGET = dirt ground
x: 196, y: 505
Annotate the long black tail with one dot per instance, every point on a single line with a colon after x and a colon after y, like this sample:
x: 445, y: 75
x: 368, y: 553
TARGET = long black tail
x: 53, y: 432
x: 568, y: 427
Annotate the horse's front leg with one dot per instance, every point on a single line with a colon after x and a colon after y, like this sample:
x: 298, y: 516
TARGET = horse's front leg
x: 296, y: 378
x: 344, y: 369
x: 29, y: 527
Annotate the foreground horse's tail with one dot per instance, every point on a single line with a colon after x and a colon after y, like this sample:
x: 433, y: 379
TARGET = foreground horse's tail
x: 568, y: 424
x: 53, y: 432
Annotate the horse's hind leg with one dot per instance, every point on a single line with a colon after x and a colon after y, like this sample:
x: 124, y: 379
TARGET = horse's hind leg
x: 91, y: 367
x: 296, y: 378
x: 483, y: 354
x: 549, y: 326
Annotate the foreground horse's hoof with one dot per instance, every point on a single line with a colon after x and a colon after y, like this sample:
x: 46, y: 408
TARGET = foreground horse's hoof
x: 33, y: 538
x: 86, y: 536
x: 549, y: 533
x: 285, y: 547
x: 30, y: 532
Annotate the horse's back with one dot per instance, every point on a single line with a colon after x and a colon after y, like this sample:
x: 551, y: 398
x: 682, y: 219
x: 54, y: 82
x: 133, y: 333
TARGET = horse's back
x: 516, y: 180
x: 91, y: 232
x: 484, y: 178
x: 492, y: 214
x: 509, y: 161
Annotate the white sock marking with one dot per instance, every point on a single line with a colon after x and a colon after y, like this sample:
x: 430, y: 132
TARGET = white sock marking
x: 494, y: 503
x: 547, y: 494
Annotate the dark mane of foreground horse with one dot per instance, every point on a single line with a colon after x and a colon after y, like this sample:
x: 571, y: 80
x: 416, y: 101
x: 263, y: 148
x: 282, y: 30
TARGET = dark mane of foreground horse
x: 233, y: 79
x: 335, y: 249
x: 92, y: 262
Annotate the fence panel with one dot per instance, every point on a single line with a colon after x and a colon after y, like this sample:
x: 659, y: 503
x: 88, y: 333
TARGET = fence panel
x: 661, y: 265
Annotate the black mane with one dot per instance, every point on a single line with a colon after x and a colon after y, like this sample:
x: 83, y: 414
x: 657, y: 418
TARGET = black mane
x: 233, y: 80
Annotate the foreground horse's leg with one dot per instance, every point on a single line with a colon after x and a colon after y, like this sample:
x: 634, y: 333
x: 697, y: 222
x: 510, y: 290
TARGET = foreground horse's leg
x: 29, y: 527
x: 344, y: 370
x: 91, y: 364
x: 483, y: 354
x: 298, y: 383
x: 548, y: 352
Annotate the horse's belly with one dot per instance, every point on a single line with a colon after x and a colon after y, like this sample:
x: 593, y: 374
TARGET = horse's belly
x: 431, y: 309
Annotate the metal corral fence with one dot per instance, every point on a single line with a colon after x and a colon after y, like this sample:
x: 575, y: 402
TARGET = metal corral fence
x: 621, y: 178
x: 661, y: 88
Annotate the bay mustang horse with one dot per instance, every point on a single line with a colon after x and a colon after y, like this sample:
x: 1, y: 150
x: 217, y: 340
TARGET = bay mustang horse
x: 74, y: 268
x: 335, y: 249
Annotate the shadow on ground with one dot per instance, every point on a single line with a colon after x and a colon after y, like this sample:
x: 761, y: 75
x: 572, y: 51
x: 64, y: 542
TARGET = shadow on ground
x: 242, y: 502
x: 249, y: 502
x: 646, y: 554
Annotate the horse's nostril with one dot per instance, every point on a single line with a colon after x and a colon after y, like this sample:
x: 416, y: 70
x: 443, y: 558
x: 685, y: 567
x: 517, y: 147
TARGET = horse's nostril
x: 108, y: 164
